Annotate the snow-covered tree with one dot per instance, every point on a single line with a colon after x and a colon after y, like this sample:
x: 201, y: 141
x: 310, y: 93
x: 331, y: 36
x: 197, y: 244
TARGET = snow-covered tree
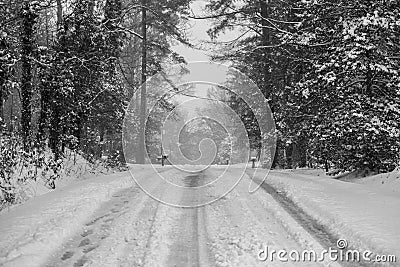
x: 350, y: 92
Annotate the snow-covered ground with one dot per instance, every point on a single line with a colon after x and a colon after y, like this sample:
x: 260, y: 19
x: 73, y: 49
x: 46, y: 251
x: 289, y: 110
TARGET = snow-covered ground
x: 109, y: 221
x: 384, y: 181
x: 74, y: 168
x: 366, y: 216
x: 30, y: 232
x: 242, y: 224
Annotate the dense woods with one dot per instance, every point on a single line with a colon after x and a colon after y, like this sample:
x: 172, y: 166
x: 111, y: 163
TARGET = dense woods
x: 68, y: 71
x: 329, y: 69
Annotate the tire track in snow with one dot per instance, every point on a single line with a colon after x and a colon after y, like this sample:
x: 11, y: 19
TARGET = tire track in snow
x: 150, y: 231
x: 190, y: 246
x: 240, y: 227
x: 152, y: 226
x: 79, y: 249
x: 319, y: 231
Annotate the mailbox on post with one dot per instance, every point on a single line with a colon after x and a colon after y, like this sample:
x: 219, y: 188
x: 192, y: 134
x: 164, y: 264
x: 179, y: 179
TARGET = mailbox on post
x: 162, y: 158
x: 253, y: 162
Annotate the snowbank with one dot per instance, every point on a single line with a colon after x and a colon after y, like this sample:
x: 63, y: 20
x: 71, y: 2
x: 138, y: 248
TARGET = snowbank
x: 366, y: 218
x: 28, y: 180
x: 384, y: 181
x: 31, y: 232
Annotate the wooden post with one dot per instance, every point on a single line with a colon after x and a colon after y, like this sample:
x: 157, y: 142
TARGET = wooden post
x: 253, y: 161
x: 162, y: 156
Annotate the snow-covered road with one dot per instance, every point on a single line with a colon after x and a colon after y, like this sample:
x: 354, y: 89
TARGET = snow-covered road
x: 132, y: 229
x: 110, y: 221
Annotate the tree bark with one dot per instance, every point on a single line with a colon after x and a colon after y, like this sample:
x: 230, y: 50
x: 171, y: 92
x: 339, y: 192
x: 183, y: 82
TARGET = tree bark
x: 1, y: 106
x: 266, y: 42
x: 59, y: 14
x: 27, y: 32
x: 143, y: 99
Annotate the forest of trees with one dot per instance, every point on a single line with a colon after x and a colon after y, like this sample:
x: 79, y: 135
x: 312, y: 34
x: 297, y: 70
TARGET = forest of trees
x: 330, y: 71
x: 68, y: 69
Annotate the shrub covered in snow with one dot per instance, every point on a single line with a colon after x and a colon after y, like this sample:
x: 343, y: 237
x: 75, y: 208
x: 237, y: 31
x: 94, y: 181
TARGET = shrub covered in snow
x: 22, y: 173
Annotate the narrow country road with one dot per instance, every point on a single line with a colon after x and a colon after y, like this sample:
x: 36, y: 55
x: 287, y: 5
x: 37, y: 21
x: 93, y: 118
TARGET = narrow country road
x: 133, y: 229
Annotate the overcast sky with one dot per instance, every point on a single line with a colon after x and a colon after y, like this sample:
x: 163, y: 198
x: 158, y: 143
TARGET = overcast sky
x: 197, y: 32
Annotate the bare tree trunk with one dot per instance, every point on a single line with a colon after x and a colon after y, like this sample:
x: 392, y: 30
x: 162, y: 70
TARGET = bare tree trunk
x: 12, y: 113
x: 1, y: 106
x: 142, y: 137
x: 326, y: 165
x: 59, y: 13
x: 91, y: 7
x: 264, y: 9
x: 28, y: 22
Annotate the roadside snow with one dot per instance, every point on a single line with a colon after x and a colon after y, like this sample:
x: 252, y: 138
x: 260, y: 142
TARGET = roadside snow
x: 33, y: 231
x: 384, y: 181
x: 367, y: 218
